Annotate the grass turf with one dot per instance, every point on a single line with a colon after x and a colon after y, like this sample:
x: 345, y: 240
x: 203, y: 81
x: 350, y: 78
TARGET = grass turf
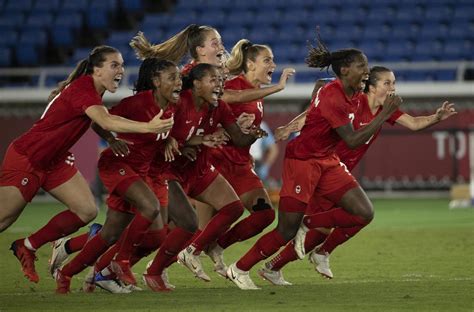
x: 415, y: 256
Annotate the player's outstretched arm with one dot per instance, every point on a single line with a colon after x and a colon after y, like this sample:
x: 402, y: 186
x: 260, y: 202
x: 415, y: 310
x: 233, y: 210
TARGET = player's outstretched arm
x: 445, y: 111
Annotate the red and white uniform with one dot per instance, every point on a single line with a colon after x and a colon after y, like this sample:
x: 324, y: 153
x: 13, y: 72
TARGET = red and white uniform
x: 351, y: 157
x: 233, y: 162
x: 196, y: 176
x: 41, y: 157
x: 311, y: 164
x: 118, y: 173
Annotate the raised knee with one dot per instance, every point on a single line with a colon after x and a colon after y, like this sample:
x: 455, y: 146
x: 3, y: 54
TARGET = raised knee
x: 149, y: 208
x: 86, y: 213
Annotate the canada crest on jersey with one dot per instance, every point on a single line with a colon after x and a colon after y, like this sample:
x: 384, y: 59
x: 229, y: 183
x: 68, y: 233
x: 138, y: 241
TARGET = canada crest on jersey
x: 260, y: 106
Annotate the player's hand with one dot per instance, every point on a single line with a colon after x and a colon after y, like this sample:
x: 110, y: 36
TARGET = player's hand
x: 216, y: 139
x: 258, y: 132
x: 445, y: 111
x: 282, y: 133
x: 245, y: 121
x: 287, y: 73
x: 171, y: 148
x: 158, y: 125
x: 391, y: 104
x: 119, y: 147
x: 189, y: 152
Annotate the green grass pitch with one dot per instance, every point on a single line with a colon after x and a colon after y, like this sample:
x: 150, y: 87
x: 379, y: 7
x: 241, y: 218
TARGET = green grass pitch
x: 415, y: 256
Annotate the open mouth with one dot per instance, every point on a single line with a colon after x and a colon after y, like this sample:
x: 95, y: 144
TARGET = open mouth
x: 117, y: 80
x: 175, y: 94
x: 215, y: 94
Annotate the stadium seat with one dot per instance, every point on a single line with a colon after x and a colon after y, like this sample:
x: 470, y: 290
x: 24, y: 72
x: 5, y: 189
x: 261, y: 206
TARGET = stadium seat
x: 429, y: 50
x: 18, y: 6
x: 62, y: 37
x: 110, y: 5
x: 132, y: 6
x: 121, y: 38
x: 5, y: 56
x: 8, y: 38
x: 74, y: 5
x: 49, y: 6
x: 27, y: 55
x: 37, y: 38
x: 97, y: 18
x: 240, y: 18
x: 156, y: 20
x: 70, y: 21
x: 438, y: 14
x: 39, y: 20
x: 11, y: 21
x: 445, y: 75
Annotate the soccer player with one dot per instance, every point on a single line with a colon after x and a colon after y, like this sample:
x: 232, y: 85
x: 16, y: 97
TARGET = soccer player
x: 380, y: 85
x: 253, y: 64
x: 200, y: 113
x: 311, y: 165
x: 131, y: 202
x: 41, y: 157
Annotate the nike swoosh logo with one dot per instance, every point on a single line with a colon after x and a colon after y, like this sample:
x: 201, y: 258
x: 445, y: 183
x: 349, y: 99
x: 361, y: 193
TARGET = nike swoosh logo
x: 232, y: 274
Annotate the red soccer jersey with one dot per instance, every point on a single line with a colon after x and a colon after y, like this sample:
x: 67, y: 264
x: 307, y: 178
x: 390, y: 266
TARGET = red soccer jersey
x: 241, y: 155
x: 140, y: 107
x: 189, y: 122
x: 62, y: 124
x: 363, y: 116
x: 329, y: 109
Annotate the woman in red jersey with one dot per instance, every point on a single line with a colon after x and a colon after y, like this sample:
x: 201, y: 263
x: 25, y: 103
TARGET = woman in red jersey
x: 41, y: 157
x: 380, y: 85
x: 199, y: 114
x: 253, y: 64
x: 157, y: 89
x: 311, y: 165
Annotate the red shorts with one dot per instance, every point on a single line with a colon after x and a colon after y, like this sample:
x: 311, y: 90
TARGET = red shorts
x: 319, y: 203
x: 193, y: 179
x: 17, y: 171
x: 326, y: 177
x: 160, y: 188
x: 242, y: 177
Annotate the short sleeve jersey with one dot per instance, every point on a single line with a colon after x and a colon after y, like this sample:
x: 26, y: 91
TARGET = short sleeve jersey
x: 330, y: 109
x: 351, y: 157
x: 62, y: 124
x: 241, y: 155
x: 189, y: 122
x: 140, y: 107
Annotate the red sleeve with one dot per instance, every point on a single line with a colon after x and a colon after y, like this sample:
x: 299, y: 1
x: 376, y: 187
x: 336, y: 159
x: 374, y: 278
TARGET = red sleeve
x: 393, y: 118
x: 227, y: 117
x: 85, y: 95
x: 334, y: 109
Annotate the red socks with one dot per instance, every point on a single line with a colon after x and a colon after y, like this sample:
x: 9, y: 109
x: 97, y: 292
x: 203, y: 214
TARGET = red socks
x: 152, y: 241
x: 88, y: 255
x: 76, y: 243
x: 288, y: 254
x: 133, y: 236
x: 176, y: 241
x: 339, y: 236
x: 219, y: 224
x: 247, y: 228
x: 266, y: 246
x: 61, y: 225
x: 333, y: 218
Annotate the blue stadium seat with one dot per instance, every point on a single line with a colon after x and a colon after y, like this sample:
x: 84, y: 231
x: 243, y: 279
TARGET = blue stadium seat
x: 295, y: 16
x: 27, y: 55
x: 429, y: 50
x: 438, y: 13
x: 6, y: 58
x: 356, y: 15
x: 433, y: 31
x: 461, y: 30
x: 103, y: 4
x: 457, y: 49
x: 97, y: 18
x: 311, y: 76
x: 445, y: 75
x: 215, y: 18
x: 404, y: 32
x: 18, y: 6
x: 11, y: 21
x: 417, y: 75
x: 398, y: 51
x: 74, y: 5
x: 132, y: 6
x: 407, y: 15
x: 347, y: 32
x: 32, y: 37
x: 121, y: 38
x: 156, y: 20
x: 290, y: 33
x: 245, y: 5
x: 39, y: 20
x: 379, y: 15
x: 231, y: 35
x: 329, y: 16
x: 463, y: 13
x: 240, y: 18
x: 374, y: 50
x: 62, y: 37
x: 263, y: 35
x: 70, y: 21
x: 268, y: 17
x: 47, y: 6
x: 78, y: 55
x: 8, y: 38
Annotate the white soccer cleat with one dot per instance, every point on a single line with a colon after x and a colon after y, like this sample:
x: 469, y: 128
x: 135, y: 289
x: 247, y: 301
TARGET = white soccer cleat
x: 59, y: 255
x: 240, y: 278
x: 216, y: 253
x: 321, y: 264
x: 299, y: 241
x: 164, y: 276
x: 187, y: 258
x: 274, y: 277
x: 111, y: 284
